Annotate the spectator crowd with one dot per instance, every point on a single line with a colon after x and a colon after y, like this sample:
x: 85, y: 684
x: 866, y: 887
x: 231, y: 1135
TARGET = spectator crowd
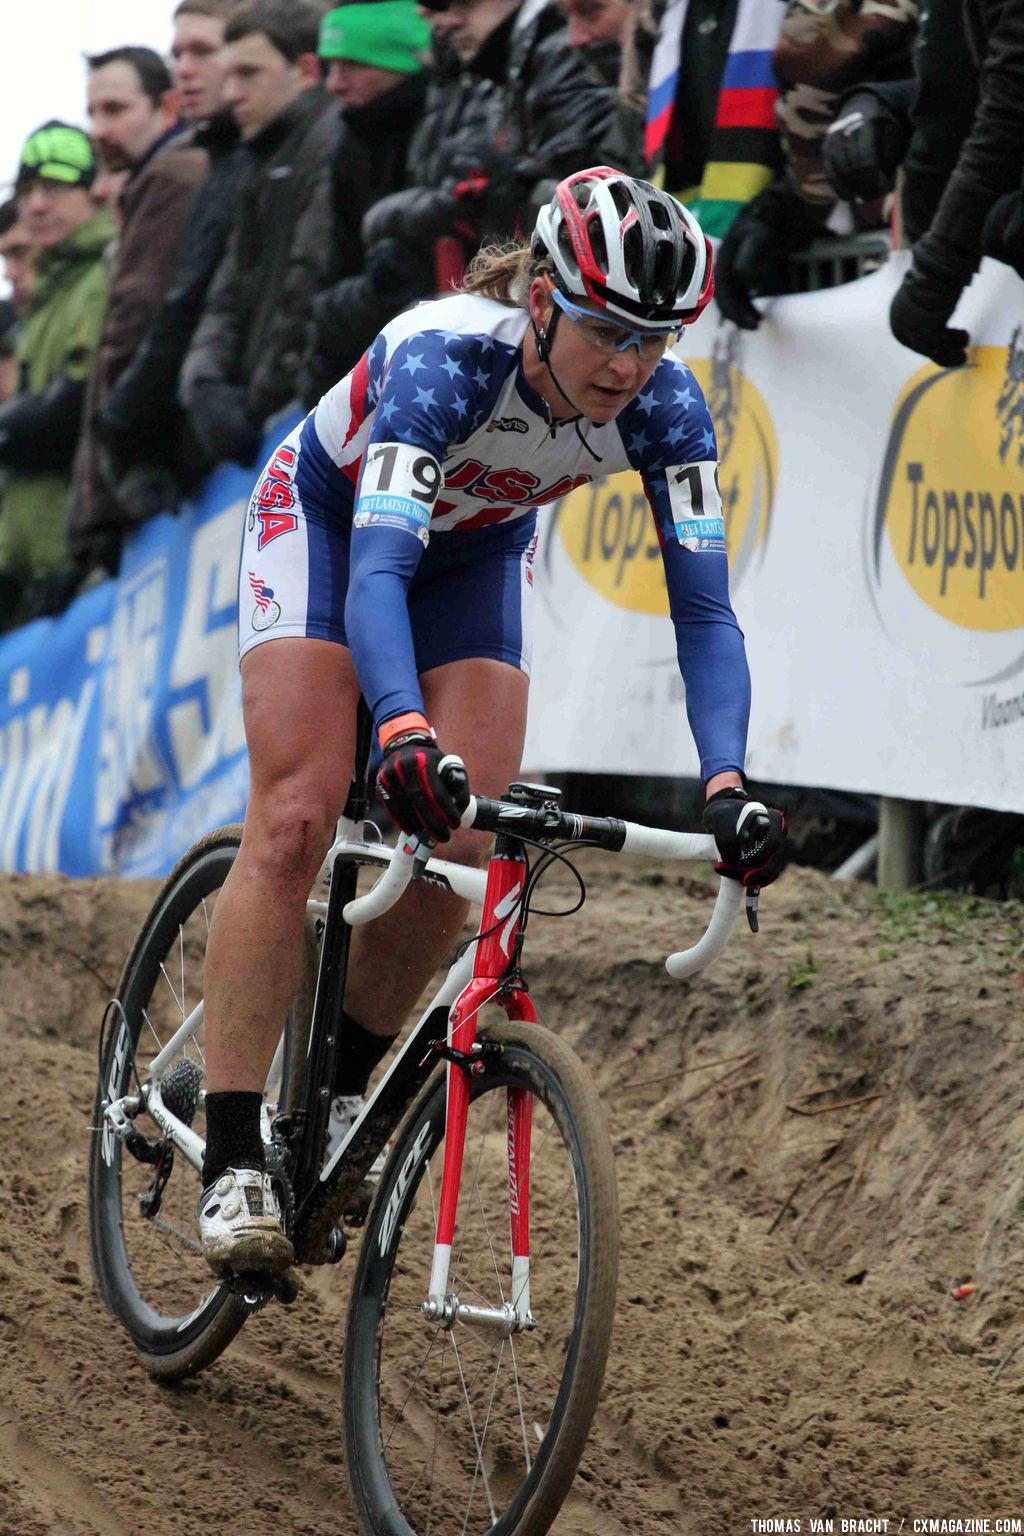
x: 239, y: 219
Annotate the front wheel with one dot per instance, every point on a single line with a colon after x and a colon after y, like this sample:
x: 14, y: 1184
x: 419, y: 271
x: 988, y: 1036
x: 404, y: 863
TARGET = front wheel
x: 465, y: 1427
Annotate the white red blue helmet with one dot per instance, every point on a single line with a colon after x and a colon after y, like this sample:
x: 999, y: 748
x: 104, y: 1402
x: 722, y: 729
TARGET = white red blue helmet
x: 627, y: 248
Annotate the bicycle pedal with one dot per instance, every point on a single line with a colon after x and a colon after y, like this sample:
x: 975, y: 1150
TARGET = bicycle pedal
x: 285, y: 1287
x: 336, y: 1246
x: 260, y: 1286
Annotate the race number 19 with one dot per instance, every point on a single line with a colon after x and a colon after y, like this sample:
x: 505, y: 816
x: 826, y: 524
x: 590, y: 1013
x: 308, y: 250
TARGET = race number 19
x: 398, y: 489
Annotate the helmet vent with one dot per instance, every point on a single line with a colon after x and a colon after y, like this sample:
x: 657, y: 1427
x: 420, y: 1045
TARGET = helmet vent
x: 598, y: 244
x: 620, y: 197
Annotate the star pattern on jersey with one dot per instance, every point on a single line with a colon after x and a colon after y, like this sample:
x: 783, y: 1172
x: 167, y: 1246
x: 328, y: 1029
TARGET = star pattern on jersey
x: 668, y: 422
x: 439, y: 385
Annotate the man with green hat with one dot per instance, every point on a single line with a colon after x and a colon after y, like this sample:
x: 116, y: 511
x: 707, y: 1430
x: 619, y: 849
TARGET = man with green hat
x: 375, y: 55
x: 39, y: 424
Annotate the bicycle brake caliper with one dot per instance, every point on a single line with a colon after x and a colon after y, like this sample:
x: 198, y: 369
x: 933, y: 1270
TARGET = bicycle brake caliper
x: 474, y: 1061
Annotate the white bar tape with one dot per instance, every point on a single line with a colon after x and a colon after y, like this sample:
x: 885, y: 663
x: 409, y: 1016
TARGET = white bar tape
x: 656, y: 843
x: 688, y: 962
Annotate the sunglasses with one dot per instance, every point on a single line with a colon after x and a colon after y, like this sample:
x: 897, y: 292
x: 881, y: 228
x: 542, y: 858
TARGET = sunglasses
x: 609, y: 339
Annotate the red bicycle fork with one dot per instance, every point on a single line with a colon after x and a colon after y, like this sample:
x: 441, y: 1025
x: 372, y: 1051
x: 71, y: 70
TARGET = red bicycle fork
x: 499, y: 927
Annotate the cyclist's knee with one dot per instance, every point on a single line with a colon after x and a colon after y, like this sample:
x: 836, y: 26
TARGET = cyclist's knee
x: 289, y: 830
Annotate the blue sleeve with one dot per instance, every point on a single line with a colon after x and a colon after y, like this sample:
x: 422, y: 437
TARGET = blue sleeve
x: 670, y: 439
x: 436, y: 386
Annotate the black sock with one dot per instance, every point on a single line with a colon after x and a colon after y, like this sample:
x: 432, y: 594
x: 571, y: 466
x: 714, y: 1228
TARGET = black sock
x: 233, y: 1137
x: 358, y: 1054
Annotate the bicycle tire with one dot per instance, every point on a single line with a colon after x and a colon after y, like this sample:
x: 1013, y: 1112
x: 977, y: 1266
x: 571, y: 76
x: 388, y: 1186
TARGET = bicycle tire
x: 401, y: 1220
x: 174, y: 1338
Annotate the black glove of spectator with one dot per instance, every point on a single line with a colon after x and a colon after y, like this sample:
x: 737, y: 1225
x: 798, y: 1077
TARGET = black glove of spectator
x: 924, y: 302
x: 411, y: 785
x: 412, y: 216
x: 752, y: 257
x: 220, y: 420
x: 1002, y: 235
x: 864, y: 146
x: 750, y: 837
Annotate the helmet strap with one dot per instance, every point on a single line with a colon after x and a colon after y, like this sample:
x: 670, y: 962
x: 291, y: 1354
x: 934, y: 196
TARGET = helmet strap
x: 544, y: 340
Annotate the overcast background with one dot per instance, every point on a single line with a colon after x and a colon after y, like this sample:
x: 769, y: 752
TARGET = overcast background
x: 44, y: 75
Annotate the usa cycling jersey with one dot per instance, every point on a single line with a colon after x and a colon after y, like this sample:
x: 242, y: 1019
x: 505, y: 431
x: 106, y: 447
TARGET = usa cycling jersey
x: 415, y: 483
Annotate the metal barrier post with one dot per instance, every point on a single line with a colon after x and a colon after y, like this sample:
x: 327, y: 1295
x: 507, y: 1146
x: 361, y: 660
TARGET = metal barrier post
x: 900, y: 844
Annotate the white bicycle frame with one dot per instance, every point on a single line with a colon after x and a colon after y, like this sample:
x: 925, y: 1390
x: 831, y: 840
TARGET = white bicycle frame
x: 399, y: 865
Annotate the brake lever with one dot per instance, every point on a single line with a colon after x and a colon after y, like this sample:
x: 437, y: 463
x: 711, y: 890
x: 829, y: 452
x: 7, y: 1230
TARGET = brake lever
x: 753, y: 893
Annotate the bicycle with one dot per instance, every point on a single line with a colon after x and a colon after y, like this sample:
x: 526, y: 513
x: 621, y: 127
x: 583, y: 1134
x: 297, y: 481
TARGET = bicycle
x: 470, y: 1377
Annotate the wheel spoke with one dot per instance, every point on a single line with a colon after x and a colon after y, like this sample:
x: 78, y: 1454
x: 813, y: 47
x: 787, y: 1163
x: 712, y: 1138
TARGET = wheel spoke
x: 476, y: 1441
x: 471, y: 1426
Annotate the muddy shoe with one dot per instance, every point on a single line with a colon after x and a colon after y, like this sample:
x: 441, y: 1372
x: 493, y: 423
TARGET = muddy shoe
x: 240, y: 1224
x: 345, y: 1111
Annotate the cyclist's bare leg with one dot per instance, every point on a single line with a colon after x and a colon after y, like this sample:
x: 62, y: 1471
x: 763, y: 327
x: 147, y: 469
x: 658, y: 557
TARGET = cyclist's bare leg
x: 478, y: 709
x: 300, y: 755
x: 299, y: 700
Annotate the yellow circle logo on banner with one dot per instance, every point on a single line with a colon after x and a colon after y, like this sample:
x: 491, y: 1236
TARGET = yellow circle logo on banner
x: 951, y: 497
x: 608, y: 531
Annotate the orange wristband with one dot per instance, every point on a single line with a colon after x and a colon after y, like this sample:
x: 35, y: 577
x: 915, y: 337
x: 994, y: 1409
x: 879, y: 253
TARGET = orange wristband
x: 400, y: 724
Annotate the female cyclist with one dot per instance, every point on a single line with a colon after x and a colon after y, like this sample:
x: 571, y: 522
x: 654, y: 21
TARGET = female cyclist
x: 388, y: 549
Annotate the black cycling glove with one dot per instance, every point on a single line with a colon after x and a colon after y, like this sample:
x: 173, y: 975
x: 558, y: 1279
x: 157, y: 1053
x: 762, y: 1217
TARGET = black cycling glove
x: 750, y: 837
x: 424, y: 801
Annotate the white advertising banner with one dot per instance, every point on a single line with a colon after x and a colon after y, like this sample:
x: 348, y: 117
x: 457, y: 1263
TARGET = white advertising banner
x: 875, y: 523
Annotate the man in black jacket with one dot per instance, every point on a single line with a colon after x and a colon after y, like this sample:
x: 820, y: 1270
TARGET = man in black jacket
x: 952, y: 183
x: 375, y: 55
x: 546, y: 116
x: 152, y: 459
x: 243, y: 363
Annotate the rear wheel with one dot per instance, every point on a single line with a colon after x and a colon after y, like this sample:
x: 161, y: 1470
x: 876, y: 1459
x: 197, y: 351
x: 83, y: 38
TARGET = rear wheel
x: 466, y: 1428
x: 146, y: 1256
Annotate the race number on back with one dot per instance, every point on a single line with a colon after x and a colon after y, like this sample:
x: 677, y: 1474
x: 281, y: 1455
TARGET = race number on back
x: 398, y: 489
x: 696, y: 505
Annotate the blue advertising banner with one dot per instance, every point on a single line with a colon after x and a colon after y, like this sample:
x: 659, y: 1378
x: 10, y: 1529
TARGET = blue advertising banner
x: 121, y: 736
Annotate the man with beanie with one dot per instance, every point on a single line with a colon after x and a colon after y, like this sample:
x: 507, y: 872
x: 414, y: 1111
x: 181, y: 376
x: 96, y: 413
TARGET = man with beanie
x: 39, y: 424
x: 375, y: 56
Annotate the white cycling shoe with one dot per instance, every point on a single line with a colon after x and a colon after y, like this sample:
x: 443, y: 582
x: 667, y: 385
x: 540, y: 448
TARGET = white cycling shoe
x: 240, y: 1224
x: 345, y: 1111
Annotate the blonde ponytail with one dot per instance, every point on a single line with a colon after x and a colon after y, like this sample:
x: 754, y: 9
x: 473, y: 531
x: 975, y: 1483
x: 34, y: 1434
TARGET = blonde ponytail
x: 504, y: 273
